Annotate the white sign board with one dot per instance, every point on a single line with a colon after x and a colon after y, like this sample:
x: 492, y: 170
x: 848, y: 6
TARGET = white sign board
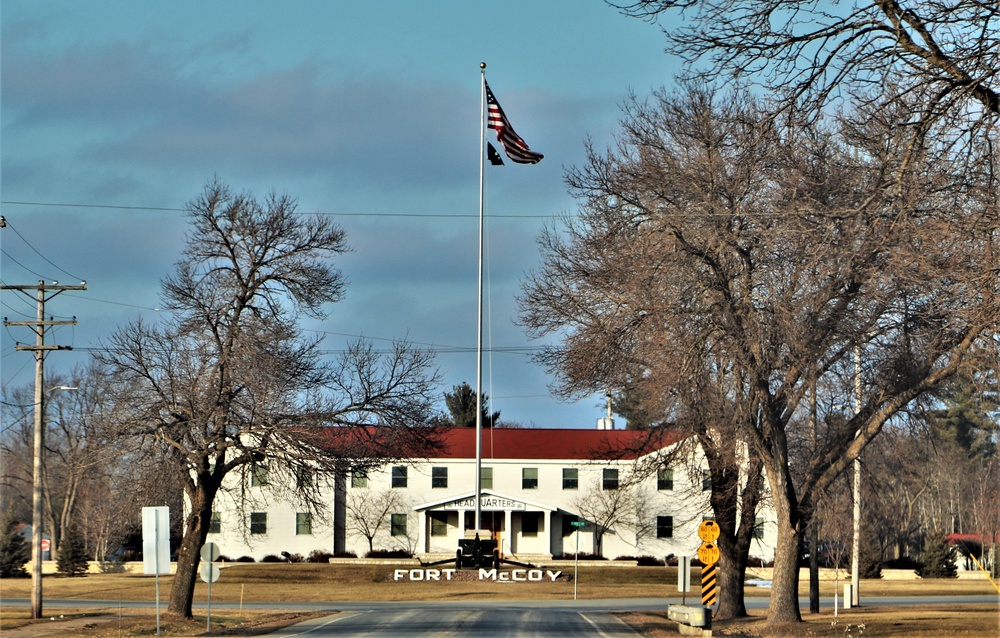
x: 210, y: 552
x: 210, y: 572
x: 486, y: 503
x: 156, y: 540
x: 684, y: 574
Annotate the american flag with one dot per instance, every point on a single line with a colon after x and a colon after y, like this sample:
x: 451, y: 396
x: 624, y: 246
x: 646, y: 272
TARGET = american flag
x: 512, y: 144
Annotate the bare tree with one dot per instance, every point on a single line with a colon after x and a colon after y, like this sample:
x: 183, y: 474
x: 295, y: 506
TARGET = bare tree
x: 813, y: 53
x: 761, y: 254
x: 78, y: 445
x: 615, y: 510
x: 16, y: 451
x: 228, y: 382
x: 369, y: 512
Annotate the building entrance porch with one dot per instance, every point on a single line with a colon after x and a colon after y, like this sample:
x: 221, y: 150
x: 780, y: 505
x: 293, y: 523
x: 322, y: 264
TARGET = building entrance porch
x: 520, y: 527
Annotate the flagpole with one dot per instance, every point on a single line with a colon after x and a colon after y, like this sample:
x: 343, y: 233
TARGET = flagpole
x: 479, y: 332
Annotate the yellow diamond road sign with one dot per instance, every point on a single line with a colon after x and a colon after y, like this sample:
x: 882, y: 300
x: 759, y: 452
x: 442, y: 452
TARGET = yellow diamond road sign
x: 708, y: 531
x: 708, y: 554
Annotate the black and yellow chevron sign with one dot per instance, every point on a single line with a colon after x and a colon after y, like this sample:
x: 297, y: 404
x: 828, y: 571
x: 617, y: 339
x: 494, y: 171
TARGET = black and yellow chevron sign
x: 709, y: 591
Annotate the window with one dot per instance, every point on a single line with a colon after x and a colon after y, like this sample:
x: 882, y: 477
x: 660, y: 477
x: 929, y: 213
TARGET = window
x: 610, y: 479
x: 529, y: 478
x: 439, y: 523
x: 664, y: 479
x: 399, y: 476
x: 439, y: 477
x: 529, y: 524
x: 359, y: 479
x: 258, y: 522
x: 664, y: 526
x: 486, y: 478
x: 215, y: 523
x: 303, y: 523
x: 758, y: 528
x: 571, y: 478
x: 397, y: 524
x: 706, y: 481
x: 258, y: 475
x: 303, y: 478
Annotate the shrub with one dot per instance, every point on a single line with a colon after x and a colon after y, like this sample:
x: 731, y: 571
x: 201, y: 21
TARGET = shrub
x: 581, y: 556
x: 14, y: 550
x: 904, y: 562
x: 224, y: 559
x: 643, y: 561
x: 319, y: 556
x: 271, y: 558
x: 650, y: 561
x: 246, y: 559
x: 114, y: 566
x: 389, y: 553
x: 345, y: 555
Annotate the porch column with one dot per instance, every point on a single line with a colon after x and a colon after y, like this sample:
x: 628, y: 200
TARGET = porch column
x: 461, y: 523
x: 422, y: 536
x: 508, y: 530
x: 547, y: 526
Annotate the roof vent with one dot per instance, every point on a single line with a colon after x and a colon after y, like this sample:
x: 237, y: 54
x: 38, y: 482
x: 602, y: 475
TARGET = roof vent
x: 608, y: 422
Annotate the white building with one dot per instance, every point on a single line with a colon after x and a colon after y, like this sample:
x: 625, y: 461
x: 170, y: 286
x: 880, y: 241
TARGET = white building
x: 647, y: 500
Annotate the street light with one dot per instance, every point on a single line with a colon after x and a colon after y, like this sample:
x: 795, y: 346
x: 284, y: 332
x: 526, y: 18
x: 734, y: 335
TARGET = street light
x: 36, y: 496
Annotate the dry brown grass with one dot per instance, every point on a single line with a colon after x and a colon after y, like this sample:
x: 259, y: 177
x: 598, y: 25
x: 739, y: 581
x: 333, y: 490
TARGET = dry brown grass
x: 108, y: 623
x: 935, y: 621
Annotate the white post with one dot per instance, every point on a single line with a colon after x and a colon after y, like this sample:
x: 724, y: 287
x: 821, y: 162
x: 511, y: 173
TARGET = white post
x: 156, y: 562
x: 576, y: 562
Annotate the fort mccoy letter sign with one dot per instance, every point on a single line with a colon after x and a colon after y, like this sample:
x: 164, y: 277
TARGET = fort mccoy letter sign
x: 513, y: 576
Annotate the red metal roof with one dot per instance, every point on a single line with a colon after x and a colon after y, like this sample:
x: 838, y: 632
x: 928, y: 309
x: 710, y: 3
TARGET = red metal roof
x: 498, y: 443
x: 556, y: 444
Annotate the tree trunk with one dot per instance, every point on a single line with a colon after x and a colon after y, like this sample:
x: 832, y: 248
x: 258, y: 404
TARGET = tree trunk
x: 734, y: 551
x: 735, y: 513
x: 730, y: 575
x: 189, y: 555
x: 784, y: 606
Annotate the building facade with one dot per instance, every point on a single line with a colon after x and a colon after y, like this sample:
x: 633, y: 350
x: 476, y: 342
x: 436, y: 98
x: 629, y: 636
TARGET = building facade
x: 544, y: 493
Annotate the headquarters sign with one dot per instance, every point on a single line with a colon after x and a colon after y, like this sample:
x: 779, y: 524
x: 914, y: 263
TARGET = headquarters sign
x: 486, y: 503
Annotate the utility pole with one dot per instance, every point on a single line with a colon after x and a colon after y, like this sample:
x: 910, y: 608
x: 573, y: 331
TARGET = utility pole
x: 856, y: 492
x: 40, y: 326
x: 813, y: 526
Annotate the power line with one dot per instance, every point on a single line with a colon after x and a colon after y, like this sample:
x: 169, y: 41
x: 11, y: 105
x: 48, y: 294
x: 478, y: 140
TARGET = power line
x: 181, y: 210
x: 49, y: 261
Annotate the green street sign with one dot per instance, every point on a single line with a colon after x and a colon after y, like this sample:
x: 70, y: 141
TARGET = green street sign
x: 578, y: 523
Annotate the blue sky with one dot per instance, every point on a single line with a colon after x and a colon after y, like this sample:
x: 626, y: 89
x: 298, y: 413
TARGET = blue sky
x: 114, y: 114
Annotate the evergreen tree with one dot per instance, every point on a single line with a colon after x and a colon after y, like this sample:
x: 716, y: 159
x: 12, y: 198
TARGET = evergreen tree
x: 938, y: 557
x: 870, y: 564
x: 461, y: 404
x: 14, y: 550
x: 72, y: 560
x: 967, y: 419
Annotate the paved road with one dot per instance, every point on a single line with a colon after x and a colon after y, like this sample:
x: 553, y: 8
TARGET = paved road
x: 501, y: 619
x: 608, y: 605
x: 494, y: 622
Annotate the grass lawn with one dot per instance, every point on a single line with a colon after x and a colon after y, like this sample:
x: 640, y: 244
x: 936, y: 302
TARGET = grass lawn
x: 321, y: 582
